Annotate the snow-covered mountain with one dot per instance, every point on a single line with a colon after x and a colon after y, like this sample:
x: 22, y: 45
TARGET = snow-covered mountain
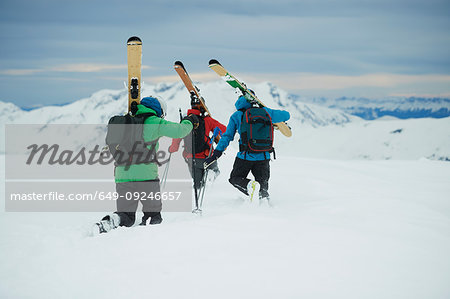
x: 318, y: 131
x: 99, y: 107
x: 400, y: 107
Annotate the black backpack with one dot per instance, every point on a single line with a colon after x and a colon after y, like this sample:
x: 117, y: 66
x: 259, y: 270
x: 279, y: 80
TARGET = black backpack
x: 256, y: 131
x: 125, y: 141
x: 200, y: 144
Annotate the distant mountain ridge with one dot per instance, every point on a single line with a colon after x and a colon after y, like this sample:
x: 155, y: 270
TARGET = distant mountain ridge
x: 318, y: 131
x: 220, y: 98
x: 399, y: 107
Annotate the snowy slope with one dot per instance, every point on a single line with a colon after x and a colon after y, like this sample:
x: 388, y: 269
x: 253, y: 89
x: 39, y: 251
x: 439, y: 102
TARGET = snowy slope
x: 338, y: 229
x: 380, y: 139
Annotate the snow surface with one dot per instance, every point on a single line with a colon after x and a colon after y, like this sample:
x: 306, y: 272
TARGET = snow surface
x: 359, y: 211
x: 385, y: 139
x: 337, y: 229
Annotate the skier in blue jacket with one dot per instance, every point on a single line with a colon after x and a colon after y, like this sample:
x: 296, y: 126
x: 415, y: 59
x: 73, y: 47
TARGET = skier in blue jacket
x: 246, y: 162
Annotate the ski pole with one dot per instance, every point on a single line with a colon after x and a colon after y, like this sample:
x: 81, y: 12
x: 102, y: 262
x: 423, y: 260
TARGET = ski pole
x: 215, y: 134
x: 165, y: 173
x: 197, y: 209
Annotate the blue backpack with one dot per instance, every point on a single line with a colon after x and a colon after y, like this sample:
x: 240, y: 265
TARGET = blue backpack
x: 256, y: 131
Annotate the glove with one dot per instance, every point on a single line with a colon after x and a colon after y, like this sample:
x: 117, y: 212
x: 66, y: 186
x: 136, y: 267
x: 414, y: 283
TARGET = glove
x: 173, y: 149
x: 174, y: 146
x: 210, y: 160
x: 193, y: 119
x: 217, y: 134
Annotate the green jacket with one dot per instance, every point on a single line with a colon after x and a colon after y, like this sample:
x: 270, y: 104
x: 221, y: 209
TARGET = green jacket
x: 157, y: 127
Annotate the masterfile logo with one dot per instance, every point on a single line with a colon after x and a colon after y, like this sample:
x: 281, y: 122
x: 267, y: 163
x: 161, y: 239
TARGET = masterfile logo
x: 71, y: 168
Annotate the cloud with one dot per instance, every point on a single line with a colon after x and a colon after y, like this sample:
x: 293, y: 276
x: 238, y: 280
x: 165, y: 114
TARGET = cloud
x: 310, y: 81
x: 87, y: 68
x: 196, y: 77
x: 68, y: 68
x: 19, y: 72
x: 381, y: 84
x: 307, y: 81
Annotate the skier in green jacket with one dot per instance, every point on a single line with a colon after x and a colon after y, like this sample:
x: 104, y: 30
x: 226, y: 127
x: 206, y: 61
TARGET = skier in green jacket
x: 143, y: 178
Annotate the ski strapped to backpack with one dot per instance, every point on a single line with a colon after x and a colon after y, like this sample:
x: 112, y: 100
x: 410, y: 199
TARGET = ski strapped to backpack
x: 256, y: 131
x: 134, y: 59
x: 193, y: 90
x: 251, y: 97
x: 126, y: 143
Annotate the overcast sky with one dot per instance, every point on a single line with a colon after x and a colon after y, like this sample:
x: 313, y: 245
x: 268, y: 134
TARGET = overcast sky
x: 55, y: 52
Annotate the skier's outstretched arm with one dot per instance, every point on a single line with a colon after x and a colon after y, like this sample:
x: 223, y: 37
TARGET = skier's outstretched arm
x: 174, y: 130
x: 175, y: 145
x: 218, y: 124
x: 228, y: 136
x: 278, y: 116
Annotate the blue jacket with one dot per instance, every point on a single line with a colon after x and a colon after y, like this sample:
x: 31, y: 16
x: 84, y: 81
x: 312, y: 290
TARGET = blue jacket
x: 234, y: 125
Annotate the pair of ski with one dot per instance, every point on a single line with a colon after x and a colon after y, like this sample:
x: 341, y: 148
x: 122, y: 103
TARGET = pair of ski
x: 134, y: 56
x: 134, y: 59
x: 232, y: 81
x: 194, y: 91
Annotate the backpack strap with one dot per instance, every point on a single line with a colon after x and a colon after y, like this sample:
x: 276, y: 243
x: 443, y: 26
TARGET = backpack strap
x: 243, y: 139
x: 145, y: 115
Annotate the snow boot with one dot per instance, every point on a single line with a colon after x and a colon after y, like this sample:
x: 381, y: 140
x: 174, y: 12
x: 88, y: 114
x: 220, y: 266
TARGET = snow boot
x: 253, y: 189
x: 213, y: 174
x: 145, y: 218
x: 156, y: 219
x: 108, y: 223
x: 265, y: 199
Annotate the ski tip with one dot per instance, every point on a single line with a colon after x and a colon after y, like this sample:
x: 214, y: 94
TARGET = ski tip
x: 214, y: 61
x: 133, y: 40
x: 178, y: 63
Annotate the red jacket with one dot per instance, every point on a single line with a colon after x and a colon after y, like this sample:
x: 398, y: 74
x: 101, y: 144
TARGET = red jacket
x: 210, y: 125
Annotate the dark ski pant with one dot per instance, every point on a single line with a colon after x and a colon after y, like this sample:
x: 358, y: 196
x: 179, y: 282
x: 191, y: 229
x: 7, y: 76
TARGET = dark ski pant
x: 259, y: 169
x: 197, y: 171
x: 130, y: 194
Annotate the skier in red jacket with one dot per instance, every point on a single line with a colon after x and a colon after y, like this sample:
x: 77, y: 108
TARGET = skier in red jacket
x: 200, y: 143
